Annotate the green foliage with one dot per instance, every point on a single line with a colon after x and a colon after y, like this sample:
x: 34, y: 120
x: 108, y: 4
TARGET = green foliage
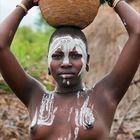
x: 49, y: 87
x: 102, y: 1
x: 30, y: 46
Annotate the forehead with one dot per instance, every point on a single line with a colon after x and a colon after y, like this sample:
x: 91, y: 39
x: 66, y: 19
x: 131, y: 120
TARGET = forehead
x: 67, y: 43
x: 62, y: 50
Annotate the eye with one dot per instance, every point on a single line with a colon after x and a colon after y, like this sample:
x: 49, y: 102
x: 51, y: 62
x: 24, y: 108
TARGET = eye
x: 76, y: 56
x: 57, y: 56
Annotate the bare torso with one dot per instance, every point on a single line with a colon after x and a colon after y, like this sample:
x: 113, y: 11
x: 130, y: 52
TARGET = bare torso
x: 72, y: 117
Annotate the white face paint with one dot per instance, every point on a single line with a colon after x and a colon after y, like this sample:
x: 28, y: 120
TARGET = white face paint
x: 67, y: 44
x: 65, y: 81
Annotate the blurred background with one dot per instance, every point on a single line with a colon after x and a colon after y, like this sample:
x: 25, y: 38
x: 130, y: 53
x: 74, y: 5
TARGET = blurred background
x: 106, y: 37
x: 7, y: 6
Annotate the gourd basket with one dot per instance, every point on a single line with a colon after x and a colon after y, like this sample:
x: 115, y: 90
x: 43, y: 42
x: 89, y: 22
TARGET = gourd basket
x: 78, y: 13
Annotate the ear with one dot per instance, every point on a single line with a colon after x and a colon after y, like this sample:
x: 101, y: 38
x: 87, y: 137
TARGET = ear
x: 49, y: 73
x: 87, y: 66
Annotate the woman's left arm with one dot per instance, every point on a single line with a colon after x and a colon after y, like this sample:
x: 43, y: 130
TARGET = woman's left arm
x: 123, y: 72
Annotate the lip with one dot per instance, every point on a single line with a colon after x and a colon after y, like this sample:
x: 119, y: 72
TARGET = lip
x: 66, y: 75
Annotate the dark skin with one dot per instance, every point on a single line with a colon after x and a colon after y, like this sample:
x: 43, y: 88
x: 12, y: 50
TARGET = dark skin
x: 105, y: 96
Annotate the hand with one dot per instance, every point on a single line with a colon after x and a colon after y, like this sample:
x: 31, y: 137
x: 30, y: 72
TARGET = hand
x: 30, y: 3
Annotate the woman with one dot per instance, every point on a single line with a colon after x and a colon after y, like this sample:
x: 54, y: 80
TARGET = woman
x: 70, y: 112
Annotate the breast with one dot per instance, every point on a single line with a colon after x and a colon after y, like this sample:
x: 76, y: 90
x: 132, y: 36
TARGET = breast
x: 38, y: 132
x: 67, y: 131
x: 98, y: 132
x: 70, y: 120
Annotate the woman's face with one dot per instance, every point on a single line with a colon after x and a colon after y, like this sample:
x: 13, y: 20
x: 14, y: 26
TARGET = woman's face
x: 67, y: 59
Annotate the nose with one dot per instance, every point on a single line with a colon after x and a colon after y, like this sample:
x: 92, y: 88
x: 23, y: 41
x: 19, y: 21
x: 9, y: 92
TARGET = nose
x: 66, y: 65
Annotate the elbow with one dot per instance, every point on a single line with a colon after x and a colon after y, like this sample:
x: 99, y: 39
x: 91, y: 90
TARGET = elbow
x: 1, y: 45
x: 136, y: 30
x: 4, y: 41
x: 1, y: 41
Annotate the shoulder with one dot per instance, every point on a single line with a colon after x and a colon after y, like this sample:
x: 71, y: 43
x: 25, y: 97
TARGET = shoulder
x: 103, y: 91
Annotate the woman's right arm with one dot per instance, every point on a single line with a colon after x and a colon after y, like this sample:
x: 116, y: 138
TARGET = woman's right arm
x: 21, y: 83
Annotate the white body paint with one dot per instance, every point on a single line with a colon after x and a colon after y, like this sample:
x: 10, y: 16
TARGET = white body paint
x: 66, y: 138
x: 76, y: 132
x: 82, y: 117
x: 68, y: 44
x: 46, y: 106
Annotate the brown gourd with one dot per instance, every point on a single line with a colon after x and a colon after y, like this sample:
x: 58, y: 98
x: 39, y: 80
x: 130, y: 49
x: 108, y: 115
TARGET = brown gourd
x: 78, y: 13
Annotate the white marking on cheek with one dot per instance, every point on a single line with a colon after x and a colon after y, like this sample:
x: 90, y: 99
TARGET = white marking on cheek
x: 82, y: 69
x: 81, y: 49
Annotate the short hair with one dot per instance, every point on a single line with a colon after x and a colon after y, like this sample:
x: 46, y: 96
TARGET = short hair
x: 74, y: 32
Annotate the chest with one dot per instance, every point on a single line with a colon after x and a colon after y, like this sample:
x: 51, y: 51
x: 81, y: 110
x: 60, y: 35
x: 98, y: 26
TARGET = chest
x: 67, y: 119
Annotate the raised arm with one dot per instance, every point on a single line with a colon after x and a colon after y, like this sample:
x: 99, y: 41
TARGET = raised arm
x: 118, y: 81
x: 14, y: 75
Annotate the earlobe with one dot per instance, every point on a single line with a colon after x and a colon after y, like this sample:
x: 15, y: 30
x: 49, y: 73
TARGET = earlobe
x: 87, y: 67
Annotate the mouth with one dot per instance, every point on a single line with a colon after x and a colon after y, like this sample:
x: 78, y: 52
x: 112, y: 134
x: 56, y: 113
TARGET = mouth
x: 66, y: 75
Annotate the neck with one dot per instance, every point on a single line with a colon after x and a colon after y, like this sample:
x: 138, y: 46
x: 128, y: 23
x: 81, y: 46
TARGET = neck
x: 68, y: 90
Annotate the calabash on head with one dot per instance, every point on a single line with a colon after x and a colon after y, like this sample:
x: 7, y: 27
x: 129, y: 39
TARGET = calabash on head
x: 79, y: 13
